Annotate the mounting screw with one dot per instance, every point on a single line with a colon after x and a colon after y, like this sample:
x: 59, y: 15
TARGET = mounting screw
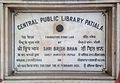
x: 59, y: 28
x: 104, y: 70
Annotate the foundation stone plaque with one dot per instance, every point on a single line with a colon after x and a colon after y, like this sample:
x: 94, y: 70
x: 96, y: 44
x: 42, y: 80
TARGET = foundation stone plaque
x: 59, y: 42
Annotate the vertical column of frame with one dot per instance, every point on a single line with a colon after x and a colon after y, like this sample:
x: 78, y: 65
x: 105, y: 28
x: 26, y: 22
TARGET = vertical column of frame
x: 0, y: 37
x: 1, y: 41
x: 8, y: 41
x: 118, y: 41
x: 10, y: 23
x: 109, y: 42
x: 114, y: 40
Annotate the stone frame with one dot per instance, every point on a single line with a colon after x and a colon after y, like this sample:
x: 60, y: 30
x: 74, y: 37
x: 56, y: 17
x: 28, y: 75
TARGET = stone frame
x: 6, y: 40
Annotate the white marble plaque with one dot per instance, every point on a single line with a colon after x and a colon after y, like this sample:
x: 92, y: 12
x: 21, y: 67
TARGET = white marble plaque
x: 59, y: 42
